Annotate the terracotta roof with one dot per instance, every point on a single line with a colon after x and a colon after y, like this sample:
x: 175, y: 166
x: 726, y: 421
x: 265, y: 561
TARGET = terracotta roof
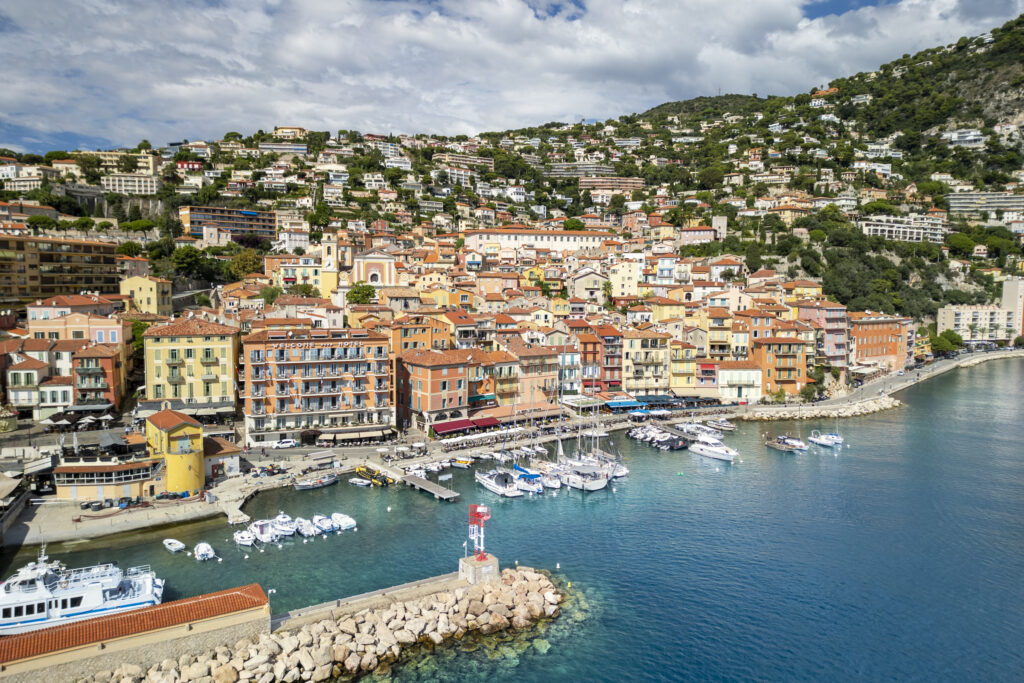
x: 67, y: 636
x: 94, y: 467
x: 71, y: 300
x: 29, y: 364
x: 191, y: 327
x: 216, y: 445
x: 738, y: 365
x: 99, y: 351
x: 169, y: 419
x: 37, y: 345
x: 430, y: 358
x: 59, y: 380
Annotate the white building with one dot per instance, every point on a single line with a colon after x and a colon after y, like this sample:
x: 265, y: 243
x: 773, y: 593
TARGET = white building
x: 131, y: 183
x: 912, y: 228
x: 979, y: 323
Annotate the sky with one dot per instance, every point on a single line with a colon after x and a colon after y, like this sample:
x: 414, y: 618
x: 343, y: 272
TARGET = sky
x: 83, y: 74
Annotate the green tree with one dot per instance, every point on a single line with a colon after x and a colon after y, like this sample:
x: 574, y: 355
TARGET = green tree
x: 127, y: 164
x: 1019, y: 341
x: 41, y: 223
x: 135, y: 213
x: 270, y: 294
x: 960, y: 244
x: 203, y: 300
x: 753, y: 257
x: 188, y: 261
x: 245, y: 262
x: 129, y: 248
x: 617, y: 204
x: 303, y: 290
x: 808, y: 392
x: 573, y: 224
x: 361, y: 293
x: 138, y: 329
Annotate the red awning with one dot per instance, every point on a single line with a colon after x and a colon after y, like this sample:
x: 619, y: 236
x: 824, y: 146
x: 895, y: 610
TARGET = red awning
x: 453, y: 426
x: 486, y: 422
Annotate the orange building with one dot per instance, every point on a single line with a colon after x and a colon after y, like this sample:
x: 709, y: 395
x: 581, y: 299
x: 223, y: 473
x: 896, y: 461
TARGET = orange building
x: 331, y: 381
x: 433, y: 387
x: 99, y: 381
x: 783, y: 363
x: 886, y: 341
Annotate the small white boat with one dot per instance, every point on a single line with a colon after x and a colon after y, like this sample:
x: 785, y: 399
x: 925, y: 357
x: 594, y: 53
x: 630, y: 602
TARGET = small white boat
x: 284, y: 525
x: 342, y: 522
x: 173, y: 545
x: 263, y: 530
x: 796, y: 443
x: 244, y: 537
x: 359, y: 481
x: 323, y: 524
x: 305, y: 527
x: 828, y: 440
x: 722, y: 425
x: 203, y: 551
x: 501, y: 483
x: 711, y: 447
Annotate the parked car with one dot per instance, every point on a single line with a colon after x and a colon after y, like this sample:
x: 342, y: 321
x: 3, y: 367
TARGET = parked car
x: 286, y: 443
x: 85, y: 505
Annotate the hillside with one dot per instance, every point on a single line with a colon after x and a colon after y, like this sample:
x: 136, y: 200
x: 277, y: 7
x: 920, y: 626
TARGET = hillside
x: 975, y: 81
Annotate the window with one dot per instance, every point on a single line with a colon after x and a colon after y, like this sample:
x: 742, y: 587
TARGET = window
x: 113, y: 336
x: 7, y: 613
x: 76, y: 601
x: 99, y: 336
x: 19, y: 611
x: 64, y: 603
x: 30, y: 609
x: 77, y: 334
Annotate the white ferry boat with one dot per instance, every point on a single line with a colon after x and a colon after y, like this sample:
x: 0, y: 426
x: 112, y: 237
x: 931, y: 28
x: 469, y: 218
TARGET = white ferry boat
x: 45, y: 593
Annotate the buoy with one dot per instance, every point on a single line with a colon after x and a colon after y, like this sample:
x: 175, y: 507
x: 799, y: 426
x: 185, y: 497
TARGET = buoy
x: 304, y: 541
x: 517, y: 563
x: 558, y: 565
x: 246, y: 557
x: 279, y: 545
x: 261, y: 550
x: 568, y: 585
x: 220, y: 559
x: 679, y: 474
x: 389, y: 508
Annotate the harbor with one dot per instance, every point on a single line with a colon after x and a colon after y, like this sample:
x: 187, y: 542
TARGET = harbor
x: 778, y: 544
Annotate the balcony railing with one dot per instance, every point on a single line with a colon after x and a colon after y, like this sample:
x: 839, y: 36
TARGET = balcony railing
x: 176, y: 379
x: 177, y: 362
x: 209, y: 360
x: 89, y: 370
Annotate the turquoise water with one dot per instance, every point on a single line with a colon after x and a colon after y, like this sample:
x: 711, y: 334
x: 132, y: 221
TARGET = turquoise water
x: 897, y: 558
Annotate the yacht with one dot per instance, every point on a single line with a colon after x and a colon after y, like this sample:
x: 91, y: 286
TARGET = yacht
x: 796, y: 443
x: 244, y: 537
x: 342, y: 522
x: 324, y: 524
x: 502, y: 483
x: 284, y: 525
x: 304, y: 527
x: 173, y: 545
x: 359, y: 481
x: 263, y: 530
x: 695, y: 430
x: 203, y: 551
x: 45, y: 593
x: 584, y: 477
x: 711, y: 447
x: 832, y: 440
x: 526, y: 481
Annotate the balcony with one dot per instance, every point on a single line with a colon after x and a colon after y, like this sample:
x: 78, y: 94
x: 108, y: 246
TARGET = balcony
x: 210, y: 376
x: 176, y: 379
x: 175, y: 362
x: 89, y: 370
x: 209, y: 360
x: 93, y: 384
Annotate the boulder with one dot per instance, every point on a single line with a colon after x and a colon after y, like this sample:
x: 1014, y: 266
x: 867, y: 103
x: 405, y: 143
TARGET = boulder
x: 368, y: 662
x: 306, y: 659
x: 405, y: 637
x: 279, y: 669
x: 339, y: 653
x: 542, y: 646
x: 197, y: 670
x: 435, y: 637
x: 551, y: 598
x: 352, y: 663
x: 321, y: 673
x: 322, y: 656
x: 500, y: 608
x: 289, y: 644
x: 348, y: 626
x: 251, y: 664
x: 476, y: 608
x: 225, y: 673
x: 498, y: 621
x: 416, y: 626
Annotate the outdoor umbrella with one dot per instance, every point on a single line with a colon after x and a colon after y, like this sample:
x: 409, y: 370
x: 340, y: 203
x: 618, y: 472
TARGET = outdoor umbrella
x: 64, y: 422
x: 47, y: 421
x: 87, y: 419
x: 106, y: 417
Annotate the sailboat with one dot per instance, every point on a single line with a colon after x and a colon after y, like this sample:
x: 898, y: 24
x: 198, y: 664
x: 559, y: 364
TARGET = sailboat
x: 832, y: 440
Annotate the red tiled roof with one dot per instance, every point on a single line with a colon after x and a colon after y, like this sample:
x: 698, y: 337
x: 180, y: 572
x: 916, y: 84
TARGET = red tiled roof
x: 169, y: 419
x: 189, y: 328
x: 94, y: 467
x: 67, y: 636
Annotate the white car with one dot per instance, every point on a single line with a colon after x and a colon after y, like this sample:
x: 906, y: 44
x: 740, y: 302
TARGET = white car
x: 286, y: 443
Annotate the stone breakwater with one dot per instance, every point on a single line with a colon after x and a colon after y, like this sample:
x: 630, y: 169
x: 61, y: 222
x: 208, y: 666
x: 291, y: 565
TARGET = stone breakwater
x: 811, y: 412
x: 369, y: 640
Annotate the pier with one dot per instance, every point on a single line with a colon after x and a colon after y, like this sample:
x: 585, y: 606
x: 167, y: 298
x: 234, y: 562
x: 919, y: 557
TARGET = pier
x: 433, y: 488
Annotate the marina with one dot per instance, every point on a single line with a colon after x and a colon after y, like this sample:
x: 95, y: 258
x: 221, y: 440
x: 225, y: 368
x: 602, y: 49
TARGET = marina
x: 816, y: 521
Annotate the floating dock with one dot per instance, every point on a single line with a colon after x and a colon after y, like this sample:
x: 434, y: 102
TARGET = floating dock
x: 430, y: 487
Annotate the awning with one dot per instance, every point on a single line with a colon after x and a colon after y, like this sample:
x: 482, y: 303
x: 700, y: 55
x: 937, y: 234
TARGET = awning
x: 486, y: 422
x: 453, y: 426
x: 658, y: 399
x: 91, y: 406
x: 483, y: 397
x: 624, y: 404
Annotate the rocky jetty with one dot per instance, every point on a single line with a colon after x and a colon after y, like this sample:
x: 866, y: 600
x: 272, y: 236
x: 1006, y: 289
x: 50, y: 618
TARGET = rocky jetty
x: 367, y: 641
x: 812, y: 412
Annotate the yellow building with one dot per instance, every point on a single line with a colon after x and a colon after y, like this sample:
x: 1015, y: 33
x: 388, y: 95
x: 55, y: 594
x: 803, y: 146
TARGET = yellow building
x: 149, y: 294
x: 624, y: 276
x: 177, y: 439
x: 797, y: 290
x: 682, y: 368
x: 193, y: 364
x: 559, y: 308
x: 663, y: 308
x: 531, y: 276
x: 645, y: 362
x: 717, y: 322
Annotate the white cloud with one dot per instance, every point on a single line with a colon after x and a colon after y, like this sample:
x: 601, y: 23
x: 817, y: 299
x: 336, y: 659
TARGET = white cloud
x: 129, y: 70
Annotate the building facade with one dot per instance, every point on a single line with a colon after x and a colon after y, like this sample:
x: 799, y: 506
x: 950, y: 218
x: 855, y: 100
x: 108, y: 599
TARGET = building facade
x: 192, y: 365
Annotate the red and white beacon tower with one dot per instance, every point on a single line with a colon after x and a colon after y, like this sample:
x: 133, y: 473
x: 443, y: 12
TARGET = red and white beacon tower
x: 478, y: 514
x: 479, y: 567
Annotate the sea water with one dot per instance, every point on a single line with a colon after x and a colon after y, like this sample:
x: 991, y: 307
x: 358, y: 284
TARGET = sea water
x: 899, y: 557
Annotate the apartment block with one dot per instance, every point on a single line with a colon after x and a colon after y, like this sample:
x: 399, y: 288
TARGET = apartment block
x: 234, y: 221
x: 192, y: 365
x: 40, y: 267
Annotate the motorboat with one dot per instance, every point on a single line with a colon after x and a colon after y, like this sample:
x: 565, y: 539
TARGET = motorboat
x: 244, y: 537
x: 359, y: 481
x: 316, y: 482
x: 462, y: 463
x: 781, y: 443
x: 46, y: 593
x: 263, y: 530
x: 323, y: 524
x: 499, y: 482
x: 696, y: 429
x: 711, y: 447
x: 722, y: 425
x: 376, y: 478
x: 342, y: 522
x: 284, y: 525
x: 203, y: 551
x: 304, y: 527
x: 173, y: 545
x: 832, y: 440
x: 417, y: 472
x: 540, y: 450
x: 796, y: 443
